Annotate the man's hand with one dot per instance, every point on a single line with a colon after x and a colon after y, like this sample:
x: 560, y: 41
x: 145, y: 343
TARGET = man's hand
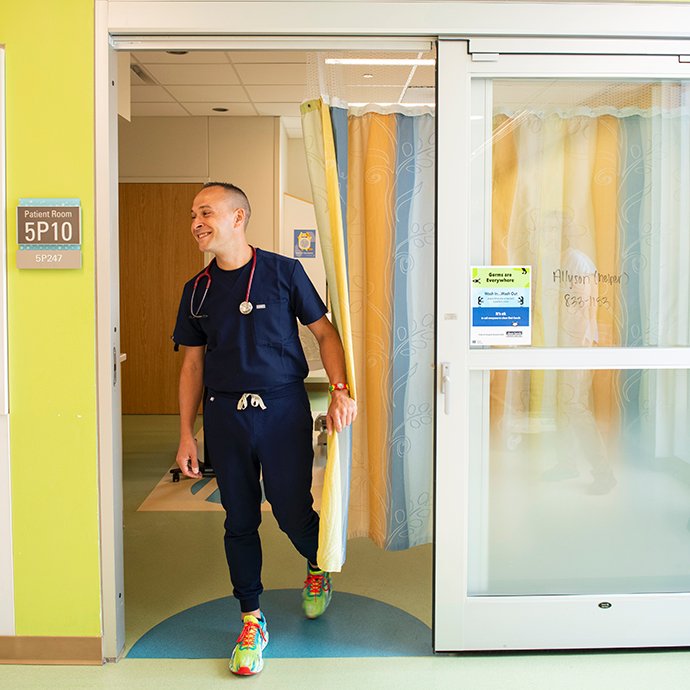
x: 341, y: 412
x: 343, y: 409
x: 188, y: 458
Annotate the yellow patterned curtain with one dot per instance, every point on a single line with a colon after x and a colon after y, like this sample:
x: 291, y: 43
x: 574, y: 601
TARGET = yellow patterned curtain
x: 321, y: 161
x: 385, y: 170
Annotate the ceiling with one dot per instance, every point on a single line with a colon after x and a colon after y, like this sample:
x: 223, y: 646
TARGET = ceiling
x: 267, y: 83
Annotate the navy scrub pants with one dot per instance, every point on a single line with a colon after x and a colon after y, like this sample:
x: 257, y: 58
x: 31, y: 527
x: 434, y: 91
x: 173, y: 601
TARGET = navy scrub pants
x: 243, y: 443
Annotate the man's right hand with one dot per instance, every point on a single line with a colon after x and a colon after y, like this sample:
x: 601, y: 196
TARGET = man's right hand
x: 188, y: 458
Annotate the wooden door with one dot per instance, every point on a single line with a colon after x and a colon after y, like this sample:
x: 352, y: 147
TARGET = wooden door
x: 157, y: 256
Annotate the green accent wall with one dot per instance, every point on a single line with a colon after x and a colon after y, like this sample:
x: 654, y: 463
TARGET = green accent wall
x: 49, y: 56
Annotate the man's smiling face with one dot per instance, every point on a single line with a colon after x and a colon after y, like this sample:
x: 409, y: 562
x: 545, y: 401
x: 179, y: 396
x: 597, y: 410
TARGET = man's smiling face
x: 214, y: 218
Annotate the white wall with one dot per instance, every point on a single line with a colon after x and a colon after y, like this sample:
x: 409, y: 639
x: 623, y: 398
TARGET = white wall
x: 299, y: 215
x: 241, y: 150
x: 164, y: 149
x: 298, y: 176
x: 283, y: 182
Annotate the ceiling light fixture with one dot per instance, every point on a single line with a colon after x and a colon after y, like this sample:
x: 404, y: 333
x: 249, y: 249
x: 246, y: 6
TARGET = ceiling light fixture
x: 367, y: 76
x: 380, y: 61
x: 392, y: 103
x: 143, y: 74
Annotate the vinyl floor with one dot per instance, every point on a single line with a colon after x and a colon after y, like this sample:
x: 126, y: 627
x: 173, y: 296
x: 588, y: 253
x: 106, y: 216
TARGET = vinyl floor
x: 174, y: 561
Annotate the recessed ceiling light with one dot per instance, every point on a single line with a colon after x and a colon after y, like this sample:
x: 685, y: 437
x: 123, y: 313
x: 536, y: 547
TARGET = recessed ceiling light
x: 220, y: 110
x: 177, y: 52
x: 368, y: 76
x: 379, y: 61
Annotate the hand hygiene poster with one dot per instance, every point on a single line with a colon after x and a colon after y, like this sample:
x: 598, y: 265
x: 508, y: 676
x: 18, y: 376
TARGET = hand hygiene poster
x: 501, y: 305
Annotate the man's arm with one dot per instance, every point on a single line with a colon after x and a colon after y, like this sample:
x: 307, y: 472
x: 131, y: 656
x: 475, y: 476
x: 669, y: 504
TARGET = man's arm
x: 343, y: 409
x: 191, y: 390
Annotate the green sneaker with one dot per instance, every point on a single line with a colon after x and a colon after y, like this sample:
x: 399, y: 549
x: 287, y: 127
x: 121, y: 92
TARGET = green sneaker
x: 316, y: 594
x: 247, y: 658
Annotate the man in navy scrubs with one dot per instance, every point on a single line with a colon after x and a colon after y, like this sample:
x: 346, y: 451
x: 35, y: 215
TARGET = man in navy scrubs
x: 237, y: 325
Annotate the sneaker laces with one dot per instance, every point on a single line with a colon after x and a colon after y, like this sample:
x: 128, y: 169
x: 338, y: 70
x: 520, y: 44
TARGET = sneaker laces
x: 247, y: 638
x: 314, y: 584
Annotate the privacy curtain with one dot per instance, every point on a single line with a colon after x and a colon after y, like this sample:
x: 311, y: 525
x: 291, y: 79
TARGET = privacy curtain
x: 372, y: 179
x: 599, y: 205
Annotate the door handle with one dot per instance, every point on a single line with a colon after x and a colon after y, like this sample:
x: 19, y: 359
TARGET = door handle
x: 445, y: 386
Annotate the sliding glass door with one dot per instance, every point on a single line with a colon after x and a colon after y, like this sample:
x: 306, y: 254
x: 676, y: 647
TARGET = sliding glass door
x: 563, y: 462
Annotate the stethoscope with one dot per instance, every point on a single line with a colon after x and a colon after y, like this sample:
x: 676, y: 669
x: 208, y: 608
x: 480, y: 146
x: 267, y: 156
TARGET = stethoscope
x: 245, y: 307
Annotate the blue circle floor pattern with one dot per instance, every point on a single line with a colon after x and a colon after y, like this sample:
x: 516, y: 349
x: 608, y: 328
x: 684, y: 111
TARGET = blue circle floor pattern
x: 353, y: 626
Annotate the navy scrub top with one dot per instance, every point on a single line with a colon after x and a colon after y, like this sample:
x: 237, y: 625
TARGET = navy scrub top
x: 258, y: 351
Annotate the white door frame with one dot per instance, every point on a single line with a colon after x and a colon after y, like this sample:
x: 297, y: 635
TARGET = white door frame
x: 257, y: 19
x: 108, y: 340
x: 107, y: 271
x: 107, y: 281
x: 189, y: 24
x: 520, y: 622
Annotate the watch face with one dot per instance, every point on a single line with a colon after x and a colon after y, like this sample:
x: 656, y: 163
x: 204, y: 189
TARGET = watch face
x: 246, y: 307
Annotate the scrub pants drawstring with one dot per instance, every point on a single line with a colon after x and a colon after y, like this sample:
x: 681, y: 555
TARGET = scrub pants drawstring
x: 254, y: 398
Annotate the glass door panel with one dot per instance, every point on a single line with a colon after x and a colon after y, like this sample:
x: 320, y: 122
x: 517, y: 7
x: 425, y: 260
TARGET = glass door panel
x: 585, y: 484
x: 576, y: 486
x: 563, y: 470
x: 590, y: 185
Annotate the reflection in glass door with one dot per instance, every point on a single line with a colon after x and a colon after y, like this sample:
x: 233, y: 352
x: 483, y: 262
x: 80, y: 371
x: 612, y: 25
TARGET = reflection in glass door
x: 590, y: 185
x: 588, y: 470
x: 576, y: 469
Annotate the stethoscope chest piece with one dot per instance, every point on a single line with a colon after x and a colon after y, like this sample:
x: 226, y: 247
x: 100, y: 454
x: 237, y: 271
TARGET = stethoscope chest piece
x: 246, y: 307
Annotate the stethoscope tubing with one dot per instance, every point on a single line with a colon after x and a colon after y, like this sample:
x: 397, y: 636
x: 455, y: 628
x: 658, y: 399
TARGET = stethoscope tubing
x: 207, y: 274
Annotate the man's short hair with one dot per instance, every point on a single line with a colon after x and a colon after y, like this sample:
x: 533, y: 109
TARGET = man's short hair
x: 239, y: 196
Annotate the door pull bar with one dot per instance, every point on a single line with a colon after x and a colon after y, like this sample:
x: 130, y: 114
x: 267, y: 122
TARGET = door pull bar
x: 445, y: 386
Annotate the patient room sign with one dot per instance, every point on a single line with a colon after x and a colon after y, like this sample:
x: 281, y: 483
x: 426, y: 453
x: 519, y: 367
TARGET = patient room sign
x: 501, y: 305
x: 49, y: 233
